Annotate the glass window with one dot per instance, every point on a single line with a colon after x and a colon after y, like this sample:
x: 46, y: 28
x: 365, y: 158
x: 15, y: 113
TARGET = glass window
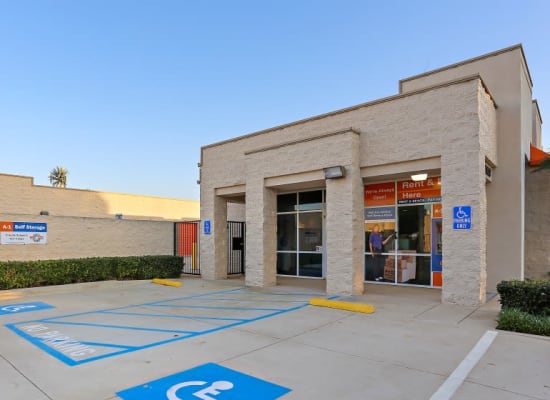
x: 286, y: 263
x: 415, y: 228
x: 311, y: 264
x: 286, y: 232
x: 310, y: 230
x: 310, y: 200
x: 413, y: 269
x: 286, y: 202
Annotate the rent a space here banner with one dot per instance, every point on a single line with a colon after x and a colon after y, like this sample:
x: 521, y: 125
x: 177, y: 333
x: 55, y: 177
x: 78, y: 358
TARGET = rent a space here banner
x: 13, y: 232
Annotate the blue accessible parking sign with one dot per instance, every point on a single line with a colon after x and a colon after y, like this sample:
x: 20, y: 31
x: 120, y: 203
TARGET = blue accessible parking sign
x: 462, y: 217
x: 23, y: 307
x: 207, y: 382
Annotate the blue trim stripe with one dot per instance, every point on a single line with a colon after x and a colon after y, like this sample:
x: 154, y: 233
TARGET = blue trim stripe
x: 59, y: 344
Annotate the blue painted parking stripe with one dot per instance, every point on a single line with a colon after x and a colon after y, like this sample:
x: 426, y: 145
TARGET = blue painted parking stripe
x: 109, y: 326
x: 171, y: 316
x: 49, y: 343
x: 222, y: 308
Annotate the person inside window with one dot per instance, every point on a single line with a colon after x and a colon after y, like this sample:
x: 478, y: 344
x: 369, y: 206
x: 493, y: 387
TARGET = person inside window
x: 376, y: 246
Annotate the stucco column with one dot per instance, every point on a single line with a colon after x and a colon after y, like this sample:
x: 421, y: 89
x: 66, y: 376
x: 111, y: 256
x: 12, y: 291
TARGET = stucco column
x: 213, y: 246
x: 345, y: 228
x: 261, y: 235
x: 464, y: 251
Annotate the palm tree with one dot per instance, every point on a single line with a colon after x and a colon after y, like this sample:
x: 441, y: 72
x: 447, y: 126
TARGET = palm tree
x: 58, y: 177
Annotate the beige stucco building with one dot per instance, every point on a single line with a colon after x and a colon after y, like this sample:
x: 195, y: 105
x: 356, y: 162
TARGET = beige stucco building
x: 85, y: 223
x: 468, y: 126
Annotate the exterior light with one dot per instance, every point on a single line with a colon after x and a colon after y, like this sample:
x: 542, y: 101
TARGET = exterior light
x: 44, y: 212
x: 334, y: 172
x: 419, y: 177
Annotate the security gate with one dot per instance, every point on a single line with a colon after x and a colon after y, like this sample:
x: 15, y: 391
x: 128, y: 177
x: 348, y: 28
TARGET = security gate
x: 236, y: 233
x: 186, y: 245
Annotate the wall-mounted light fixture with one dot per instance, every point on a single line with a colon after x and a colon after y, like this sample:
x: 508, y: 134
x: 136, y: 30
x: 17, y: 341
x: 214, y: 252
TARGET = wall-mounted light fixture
x: 419, y: 177
x: 44, y: 212
x: 119, y: 216
x: 334, y: 172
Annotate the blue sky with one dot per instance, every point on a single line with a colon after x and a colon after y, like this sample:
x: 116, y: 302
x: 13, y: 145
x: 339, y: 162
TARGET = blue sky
x: 123, y: 93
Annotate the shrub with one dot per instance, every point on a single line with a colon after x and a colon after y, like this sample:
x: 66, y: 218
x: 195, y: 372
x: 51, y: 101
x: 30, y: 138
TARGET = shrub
x: 516, y: 320
x: 21, y: 274
x: 529, y: 296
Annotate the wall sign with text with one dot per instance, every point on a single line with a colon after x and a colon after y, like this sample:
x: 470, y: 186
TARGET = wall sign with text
x: 14, y: 232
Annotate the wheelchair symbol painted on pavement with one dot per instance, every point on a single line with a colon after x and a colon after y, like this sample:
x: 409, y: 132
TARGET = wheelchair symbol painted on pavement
x: 205, y: 382
x: 23, y: 307
x: 203, y: 394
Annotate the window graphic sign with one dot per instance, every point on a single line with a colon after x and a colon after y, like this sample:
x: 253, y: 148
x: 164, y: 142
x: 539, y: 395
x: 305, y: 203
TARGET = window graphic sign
x: 462, y: 217
x: 380, y: 213
x: 380, y: 194
x: 427, y: 191
x: 23, y: 307
x: 208, y: 382
x: 14, y: 232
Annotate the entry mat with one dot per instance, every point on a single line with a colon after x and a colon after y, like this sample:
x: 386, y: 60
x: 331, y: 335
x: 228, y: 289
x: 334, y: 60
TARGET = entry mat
x: 90, y: 336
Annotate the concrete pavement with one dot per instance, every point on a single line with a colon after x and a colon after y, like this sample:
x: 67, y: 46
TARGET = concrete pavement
x: 102, y: 338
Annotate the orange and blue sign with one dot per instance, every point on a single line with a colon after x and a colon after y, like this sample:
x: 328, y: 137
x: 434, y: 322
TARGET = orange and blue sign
x: 426, y: 191
x: 207, y: 381
x: 14, y: 232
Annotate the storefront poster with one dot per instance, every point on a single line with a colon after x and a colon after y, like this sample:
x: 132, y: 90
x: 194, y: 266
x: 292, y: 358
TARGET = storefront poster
x: 380, y: 194
x: 427, y: 191
x: 14, y: 232
x: 380, y: 213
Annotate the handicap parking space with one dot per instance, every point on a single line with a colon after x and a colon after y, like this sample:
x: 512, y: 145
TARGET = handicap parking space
x: 93, y: 335
x: 218, y: 339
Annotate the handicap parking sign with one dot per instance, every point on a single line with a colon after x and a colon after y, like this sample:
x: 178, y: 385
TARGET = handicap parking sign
x: 23, y: 307
x: 462, y: 217
x: 206, y: 382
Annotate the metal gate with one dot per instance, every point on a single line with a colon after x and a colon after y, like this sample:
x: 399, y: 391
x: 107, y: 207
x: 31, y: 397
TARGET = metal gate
x: 236, y: 233
x: 186, y: 245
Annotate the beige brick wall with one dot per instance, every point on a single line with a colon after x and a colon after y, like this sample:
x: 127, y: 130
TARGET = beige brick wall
x: 21, y: 196
x: 537, y: 224
x: 448, y: 122
x: 82, y: 223
x: 80, y: 237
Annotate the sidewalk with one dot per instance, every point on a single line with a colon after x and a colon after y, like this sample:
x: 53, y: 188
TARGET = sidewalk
x: 142, y: 332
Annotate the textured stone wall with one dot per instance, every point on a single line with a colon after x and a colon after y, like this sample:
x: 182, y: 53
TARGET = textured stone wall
x: 20, y: 196
x: 82, y: 223
x: 454, y: 122
x: 80, y: 237
x: 537, y: 224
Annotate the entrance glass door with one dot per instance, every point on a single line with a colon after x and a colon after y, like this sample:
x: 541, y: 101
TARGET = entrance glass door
x: 300, y: 234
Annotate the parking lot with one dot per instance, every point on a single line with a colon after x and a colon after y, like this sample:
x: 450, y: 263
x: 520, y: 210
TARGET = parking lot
x: 220, y: 340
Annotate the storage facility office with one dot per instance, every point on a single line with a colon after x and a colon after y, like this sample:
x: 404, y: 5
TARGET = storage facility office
x: 437, y: 170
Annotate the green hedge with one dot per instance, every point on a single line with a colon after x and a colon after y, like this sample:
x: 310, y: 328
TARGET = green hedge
x: 21, y: 274
x: 515, y: 320
x: 532, y: 297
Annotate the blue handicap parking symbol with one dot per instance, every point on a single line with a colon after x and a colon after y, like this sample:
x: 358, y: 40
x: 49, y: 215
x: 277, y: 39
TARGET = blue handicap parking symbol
x: 23, y: 307
x: 206, y: 382
x: 462, y: 217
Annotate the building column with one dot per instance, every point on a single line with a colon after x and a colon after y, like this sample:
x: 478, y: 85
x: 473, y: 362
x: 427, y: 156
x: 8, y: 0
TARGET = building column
x: 345, y: 228
x: 464, y: 251
x: 213, y: 246
x: 261, y: 235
